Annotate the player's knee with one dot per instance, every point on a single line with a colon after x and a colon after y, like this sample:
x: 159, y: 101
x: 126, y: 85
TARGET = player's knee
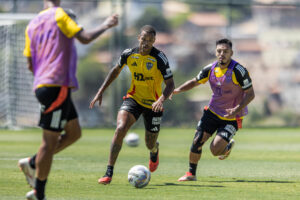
x: 215, y: 151
x: 121, y: 130
x: 197, y: 142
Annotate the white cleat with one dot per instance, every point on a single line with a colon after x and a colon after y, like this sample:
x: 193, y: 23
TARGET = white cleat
x: 187, y: 177
x: 31, y: 196
x: 229, y: 148
x: 28, y: 171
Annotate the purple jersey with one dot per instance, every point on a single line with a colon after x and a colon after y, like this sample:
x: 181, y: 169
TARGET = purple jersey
x: 226, y: 94
x: 52, y: 48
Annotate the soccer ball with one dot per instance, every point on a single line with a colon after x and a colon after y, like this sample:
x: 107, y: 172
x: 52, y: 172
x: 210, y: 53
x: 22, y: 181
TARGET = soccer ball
x: 132, y: 139
x: 139, y: 176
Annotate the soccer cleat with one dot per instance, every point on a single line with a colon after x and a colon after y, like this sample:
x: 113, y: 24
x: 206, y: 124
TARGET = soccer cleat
x: 153, y: 165
x: 28, y: 171
x: 188, y: 177
x: 31, y: 195
x: 229, y: 148
x: 105, y: 180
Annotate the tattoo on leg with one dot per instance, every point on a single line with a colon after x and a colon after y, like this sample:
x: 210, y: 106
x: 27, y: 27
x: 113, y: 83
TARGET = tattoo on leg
x: 114, y: 152
x: 151, y: 140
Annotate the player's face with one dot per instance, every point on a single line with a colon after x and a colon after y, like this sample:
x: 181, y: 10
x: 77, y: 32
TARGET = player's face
x: 146, y: 41
x: 223, y: 53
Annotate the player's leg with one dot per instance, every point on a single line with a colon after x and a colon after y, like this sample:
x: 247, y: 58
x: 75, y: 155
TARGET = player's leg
x: 195, y: 154
x: 54, y: 109
x: 205, y: 128
x: 72, y: 128
x: 223, y: 143
x: 44, y: 160
x: 72, y: 134
x: 152, y: 122
x: 127, y: 116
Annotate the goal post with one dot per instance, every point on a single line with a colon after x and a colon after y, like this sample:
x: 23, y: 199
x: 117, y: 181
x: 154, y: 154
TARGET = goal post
x: 18, y: 106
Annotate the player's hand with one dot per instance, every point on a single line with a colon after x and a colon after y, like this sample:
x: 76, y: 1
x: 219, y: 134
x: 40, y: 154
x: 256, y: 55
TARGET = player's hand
x: 111, y: 21
x: 231, y: 113
x: 174, y: 92
x: 98, y: 97
x: 157, y: 106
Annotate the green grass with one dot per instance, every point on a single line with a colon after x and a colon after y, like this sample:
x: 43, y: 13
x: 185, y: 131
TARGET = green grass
x: 264, y: 164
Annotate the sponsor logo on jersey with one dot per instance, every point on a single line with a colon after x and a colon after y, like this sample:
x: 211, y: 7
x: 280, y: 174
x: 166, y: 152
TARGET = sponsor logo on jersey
x: 141, y: 77
x: 149, y: 65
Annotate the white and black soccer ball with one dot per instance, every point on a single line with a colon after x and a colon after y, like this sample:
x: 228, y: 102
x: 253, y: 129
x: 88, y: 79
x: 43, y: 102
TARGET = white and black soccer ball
x: 132, y: 139
x: 139, y: 176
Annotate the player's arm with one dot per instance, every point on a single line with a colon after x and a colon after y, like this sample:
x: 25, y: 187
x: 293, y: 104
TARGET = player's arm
x: 201, y: 78
x: 166, y: 72
x: 190, y: 84
x: 29, y: 64
x: 86, y: 37
x: 112, y: 75
x: 158, y: 105
x: 27, y: 51
x: 244, y: 80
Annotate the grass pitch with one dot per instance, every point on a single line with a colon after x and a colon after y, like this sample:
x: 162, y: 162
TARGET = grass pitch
x: 264, y: 164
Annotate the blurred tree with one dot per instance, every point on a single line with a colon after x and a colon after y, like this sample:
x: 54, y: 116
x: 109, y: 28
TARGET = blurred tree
x: 234, y: 10
x: 155, y: 18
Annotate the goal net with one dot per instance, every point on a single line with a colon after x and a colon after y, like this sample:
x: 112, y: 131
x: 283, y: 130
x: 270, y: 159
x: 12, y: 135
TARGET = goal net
x: 18, y: 106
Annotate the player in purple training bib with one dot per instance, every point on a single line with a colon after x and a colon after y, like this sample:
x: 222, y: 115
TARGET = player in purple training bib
x: 51, y: 56
x: 232, y: 92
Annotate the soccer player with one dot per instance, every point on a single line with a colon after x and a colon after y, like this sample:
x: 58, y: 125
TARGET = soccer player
x: 149, y: 67
x: 232, y: 92
x: 51, y: 56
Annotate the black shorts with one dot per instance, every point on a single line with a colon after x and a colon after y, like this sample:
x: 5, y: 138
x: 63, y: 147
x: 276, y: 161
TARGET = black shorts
x: 152, y: 119
x: 57, y: 107
x: 211, y: 123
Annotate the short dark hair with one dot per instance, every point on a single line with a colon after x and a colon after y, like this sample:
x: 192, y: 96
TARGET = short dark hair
x: 224, y: 41
x: 149, y: 29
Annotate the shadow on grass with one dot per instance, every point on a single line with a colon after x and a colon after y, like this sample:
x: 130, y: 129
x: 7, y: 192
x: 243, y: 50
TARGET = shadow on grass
x: 251, y: 181
x: 176, y: 184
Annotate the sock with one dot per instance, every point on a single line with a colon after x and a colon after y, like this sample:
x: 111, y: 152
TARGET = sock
x: 109, y: 171
x: 40, y: 188
x: 193, y: 168
x: 32, y: 161
x: 153, y: 156
x: 154, y: 153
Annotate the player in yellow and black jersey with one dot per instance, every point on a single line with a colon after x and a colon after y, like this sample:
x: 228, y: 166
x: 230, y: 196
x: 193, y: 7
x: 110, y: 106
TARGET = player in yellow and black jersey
x: 149, y: 68
x: 147, y: 74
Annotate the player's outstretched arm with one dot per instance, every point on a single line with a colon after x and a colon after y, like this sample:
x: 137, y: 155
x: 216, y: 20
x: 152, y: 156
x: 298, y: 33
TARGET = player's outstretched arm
x: 190, y: 84
x: 112, y: 75
x: 86, y: 37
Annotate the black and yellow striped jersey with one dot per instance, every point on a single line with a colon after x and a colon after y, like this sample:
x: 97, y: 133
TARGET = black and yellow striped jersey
x: 147, y: 74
